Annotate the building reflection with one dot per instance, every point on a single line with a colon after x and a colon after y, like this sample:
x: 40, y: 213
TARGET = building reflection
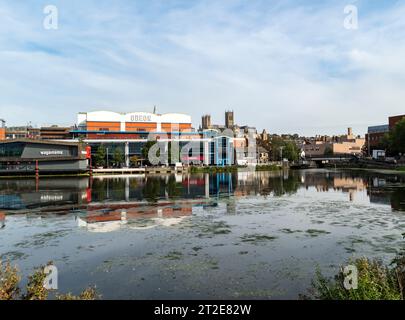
x: 387, y: 190
x: 2, y: 220
x: 141, y: 217
x: 110, y: 202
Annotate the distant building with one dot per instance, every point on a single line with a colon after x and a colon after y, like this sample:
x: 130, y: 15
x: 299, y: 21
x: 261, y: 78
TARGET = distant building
x: 337, y: 145
x: 229, y: 119
x: 374, y: 137
x: 264, y: 136
x: 392, y: 121
x: 375, y: 134
x: 263, y: 155
x: 54, y: 132
x: 206, y: 122
x: 22, y: 132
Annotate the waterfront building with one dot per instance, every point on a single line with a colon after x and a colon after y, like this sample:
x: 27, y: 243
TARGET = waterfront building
x: 136, y: 125
x: 130, y: 131
x: 348, y: 144
x: 27, y: 156
x: 375, y: 134
x: 374, y: 137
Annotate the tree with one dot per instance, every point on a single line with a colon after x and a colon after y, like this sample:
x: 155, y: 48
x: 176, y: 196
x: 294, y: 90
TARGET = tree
x: 146, y: 148
x: 99, y: 157
x: 396, y: 139
x: 291, y: 151
x: 328, y: 151
x: 175, y: 149
x: 118, y: 157
x: 275, y: 144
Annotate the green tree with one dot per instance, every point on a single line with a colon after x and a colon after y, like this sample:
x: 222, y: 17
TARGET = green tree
x: 291, y: 151
x: 396, y: 139
x: 176, y: 150
x: 328, y: 151
x: 118, y: 157
x: 99, y: 157
x: 146, y: 148
x: 275, y: 144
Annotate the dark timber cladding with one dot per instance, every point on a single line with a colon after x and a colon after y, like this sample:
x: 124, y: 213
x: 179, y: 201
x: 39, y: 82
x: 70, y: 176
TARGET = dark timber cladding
x: 26, y: 156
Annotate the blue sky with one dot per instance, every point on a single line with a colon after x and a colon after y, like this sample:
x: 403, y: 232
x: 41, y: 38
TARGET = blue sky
x: 287, y: 66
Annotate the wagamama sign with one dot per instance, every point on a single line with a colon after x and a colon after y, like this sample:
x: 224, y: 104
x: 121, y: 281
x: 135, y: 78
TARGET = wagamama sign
x: 51, y: 153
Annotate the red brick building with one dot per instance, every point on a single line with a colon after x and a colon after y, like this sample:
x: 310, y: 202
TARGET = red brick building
x: 392, y: 121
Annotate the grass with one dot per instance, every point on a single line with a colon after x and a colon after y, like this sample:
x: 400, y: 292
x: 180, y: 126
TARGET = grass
x: 376, y: 281
x: 35, y: 289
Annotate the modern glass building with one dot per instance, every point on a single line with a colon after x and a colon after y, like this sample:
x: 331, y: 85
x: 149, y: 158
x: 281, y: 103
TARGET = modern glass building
x: 37, y: 156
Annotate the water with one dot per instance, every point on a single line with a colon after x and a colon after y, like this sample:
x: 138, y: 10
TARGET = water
x: 238, y: 236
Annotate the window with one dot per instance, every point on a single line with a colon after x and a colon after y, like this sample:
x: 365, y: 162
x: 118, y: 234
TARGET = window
x: 11, y: 149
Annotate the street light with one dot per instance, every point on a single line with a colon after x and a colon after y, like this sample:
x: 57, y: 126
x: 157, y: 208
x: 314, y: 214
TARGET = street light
x: 281, y: 153
x: 107, y: 156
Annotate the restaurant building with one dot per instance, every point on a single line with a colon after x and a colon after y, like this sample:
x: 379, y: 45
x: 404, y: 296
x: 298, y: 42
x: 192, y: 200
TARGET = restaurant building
x: 25, y: 156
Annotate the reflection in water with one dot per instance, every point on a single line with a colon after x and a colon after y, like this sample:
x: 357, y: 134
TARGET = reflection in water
x: 2, y: 220
x: 175, y: 192
x: 144, y: 217
x: 244, y: 235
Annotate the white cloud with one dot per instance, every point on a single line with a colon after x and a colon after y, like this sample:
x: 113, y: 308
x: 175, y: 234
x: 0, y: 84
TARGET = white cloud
x: 283, y: 67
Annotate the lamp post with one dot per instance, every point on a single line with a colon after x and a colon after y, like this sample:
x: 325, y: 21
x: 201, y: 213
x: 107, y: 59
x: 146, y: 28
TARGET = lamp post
x: 281, y: 153
x: 107, y: 156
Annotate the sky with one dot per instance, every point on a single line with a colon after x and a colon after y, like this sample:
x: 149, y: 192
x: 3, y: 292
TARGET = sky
x: 287, y: 66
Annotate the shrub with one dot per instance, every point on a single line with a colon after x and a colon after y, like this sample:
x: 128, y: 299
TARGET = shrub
x: 9, y: 280
x: 35, y: 290
x: 375, y: 282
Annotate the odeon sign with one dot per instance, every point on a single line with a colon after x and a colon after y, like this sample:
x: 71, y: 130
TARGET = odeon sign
x: 140, y: 118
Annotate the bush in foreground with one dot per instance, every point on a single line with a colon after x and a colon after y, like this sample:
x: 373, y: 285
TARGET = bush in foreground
x: 35, y: 290
x: 376, y: 281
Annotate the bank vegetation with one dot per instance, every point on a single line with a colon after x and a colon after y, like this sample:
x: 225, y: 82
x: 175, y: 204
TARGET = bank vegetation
x: 10, y: 288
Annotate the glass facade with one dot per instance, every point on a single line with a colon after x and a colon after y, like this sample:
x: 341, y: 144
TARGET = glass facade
x: 13, y: 150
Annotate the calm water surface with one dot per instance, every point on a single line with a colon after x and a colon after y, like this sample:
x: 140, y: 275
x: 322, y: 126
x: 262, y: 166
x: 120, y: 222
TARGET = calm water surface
x: 245, y: 235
